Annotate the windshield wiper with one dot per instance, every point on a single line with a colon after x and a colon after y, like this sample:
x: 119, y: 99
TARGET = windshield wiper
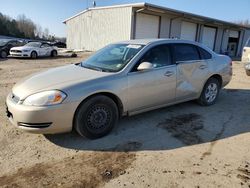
x: 92, y: 68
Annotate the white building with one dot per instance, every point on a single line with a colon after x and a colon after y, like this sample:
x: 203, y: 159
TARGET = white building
x: 96, y: 27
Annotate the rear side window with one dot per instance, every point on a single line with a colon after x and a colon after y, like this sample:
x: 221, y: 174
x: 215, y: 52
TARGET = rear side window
x: 185, y: 52
x: 204, y: 54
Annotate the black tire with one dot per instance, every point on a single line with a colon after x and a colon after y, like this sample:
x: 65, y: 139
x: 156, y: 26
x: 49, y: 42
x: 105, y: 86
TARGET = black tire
x: 96, y: 117
x: 54, y: 53
x: 210, y: 92
x: 33, y: 55
x: 248, y: 72
x: 3, y: 54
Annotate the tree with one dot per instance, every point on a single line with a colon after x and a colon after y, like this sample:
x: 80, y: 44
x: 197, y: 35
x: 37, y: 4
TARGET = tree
x: 23, y: 27
x: 244, y: 22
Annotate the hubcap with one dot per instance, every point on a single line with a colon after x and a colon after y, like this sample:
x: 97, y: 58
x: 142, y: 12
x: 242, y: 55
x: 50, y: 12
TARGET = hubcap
x: 211, y: 92
x: 33, y: 55
x: 98, y: 118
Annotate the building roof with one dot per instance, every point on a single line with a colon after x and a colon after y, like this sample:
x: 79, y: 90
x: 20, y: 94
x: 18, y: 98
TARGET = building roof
x: 161, y: 9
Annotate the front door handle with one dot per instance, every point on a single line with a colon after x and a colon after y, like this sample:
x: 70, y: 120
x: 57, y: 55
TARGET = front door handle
x: 168, y: 73
x: 203, y: 67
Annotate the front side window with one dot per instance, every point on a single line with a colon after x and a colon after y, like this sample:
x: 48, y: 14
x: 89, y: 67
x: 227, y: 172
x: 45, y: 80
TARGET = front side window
x: 112, y: 58
x: 159, y: 56
x: 185, y: 52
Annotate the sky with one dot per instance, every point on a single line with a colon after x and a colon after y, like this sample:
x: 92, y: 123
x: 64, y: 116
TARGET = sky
x: 51, y: 13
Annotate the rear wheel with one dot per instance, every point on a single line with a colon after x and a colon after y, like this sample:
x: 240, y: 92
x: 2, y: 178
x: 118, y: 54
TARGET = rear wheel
x: 3, y: 54
x: 210, y: 92
x: 96, y: 117
x: 33, y: 55
x: 54, y: 53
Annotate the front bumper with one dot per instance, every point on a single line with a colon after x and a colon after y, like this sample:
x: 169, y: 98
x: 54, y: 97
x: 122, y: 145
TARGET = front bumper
x: 42, y: 120
x: 22, y: 54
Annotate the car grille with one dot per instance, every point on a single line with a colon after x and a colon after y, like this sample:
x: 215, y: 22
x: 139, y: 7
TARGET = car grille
x: 14, y: 98
x: 16, y: 51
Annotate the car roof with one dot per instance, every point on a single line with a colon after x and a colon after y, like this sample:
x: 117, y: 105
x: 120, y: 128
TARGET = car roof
x: 164, y: 40
x: 149, y: 41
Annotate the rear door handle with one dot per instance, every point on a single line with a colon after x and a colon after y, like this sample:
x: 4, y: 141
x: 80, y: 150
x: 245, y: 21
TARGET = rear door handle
x: 169, y: 73
x: 203, y: 67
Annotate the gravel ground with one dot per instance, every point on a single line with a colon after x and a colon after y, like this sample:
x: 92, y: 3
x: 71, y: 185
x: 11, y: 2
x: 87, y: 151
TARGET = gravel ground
x: 185, y: 145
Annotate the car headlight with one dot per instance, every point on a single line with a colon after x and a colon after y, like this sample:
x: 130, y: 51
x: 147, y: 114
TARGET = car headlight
x: 45, y: 98
x: 26, y: 50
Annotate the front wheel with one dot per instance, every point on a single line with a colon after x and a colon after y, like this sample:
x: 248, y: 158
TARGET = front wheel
x: 210, y: 92
x: 33, y: 55
x: 3, y: 54
x: 96, y: 117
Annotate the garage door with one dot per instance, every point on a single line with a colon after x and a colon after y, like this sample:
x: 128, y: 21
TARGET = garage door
x: 147, y: 26
x: 208, y: 37
x: 188, y: 31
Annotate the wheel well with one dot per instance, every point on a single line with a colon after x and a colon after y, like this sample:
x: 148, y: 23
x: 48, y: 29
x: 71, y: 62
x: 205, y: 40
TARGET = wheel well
x: 33, y: 51
x: 53, y: 51
x: 112, y: 96
x: 218, y: 77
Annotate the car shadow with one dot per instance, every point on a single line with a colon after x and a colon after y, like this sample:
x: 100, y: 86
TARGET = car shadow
x: 3, y: 59
x: 171, y: 127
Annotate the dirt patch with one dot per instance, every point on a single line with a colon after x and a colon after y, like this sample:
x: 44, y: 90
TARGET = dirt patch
x: 184, y: 127
x: 244, y: 174
x: 217, y: 137
x: 82, y: 170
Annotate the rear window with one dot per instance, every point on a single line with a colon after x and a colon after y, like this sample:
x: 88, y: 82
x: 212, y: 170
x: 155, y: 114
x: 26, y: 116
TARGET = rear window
x: 185, y: 52
x: 204, y: 54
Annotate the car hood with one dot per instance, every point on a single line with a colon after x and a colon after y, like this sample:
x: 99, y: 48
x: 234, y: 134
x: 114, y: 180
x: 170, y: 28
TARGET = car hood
x: 22, y: 48
x: 55, y: 78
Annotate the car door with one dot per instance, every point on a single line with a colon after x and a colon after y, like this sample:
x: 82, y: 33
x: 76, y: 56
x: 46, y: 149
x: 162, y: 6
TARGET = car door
x: 192, y: 71
x: 45, y: 50
x: 154, y: 87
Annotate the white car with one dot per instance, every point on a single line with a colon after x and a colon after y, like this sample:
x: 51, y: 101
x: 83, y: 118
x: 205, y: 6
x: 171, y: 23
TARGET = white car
x: 34, y: 50
x: 246, y: 52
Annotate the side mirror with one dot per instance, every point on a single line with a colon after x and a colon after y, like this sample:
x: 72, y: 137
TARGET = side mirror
x: 145, y: 66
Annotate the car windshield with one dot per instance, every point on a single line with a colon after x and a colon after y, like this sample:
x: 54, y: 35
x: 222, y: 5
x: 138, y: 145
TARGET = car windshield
x: 3, y: 42
x: 33, y: 44
x: 112, y: 58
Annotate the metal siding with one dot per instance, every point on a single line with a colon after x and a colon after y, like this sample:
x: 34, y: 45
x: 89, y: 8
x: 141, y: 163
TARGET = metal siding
x: 176, y: 28
x: 96, y: 28
x: 218, y: 41
x: 165, y: 24
x: 188, y: 31
x: 147, y: 26
x: 245, y: 39
x: 208, y: 37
